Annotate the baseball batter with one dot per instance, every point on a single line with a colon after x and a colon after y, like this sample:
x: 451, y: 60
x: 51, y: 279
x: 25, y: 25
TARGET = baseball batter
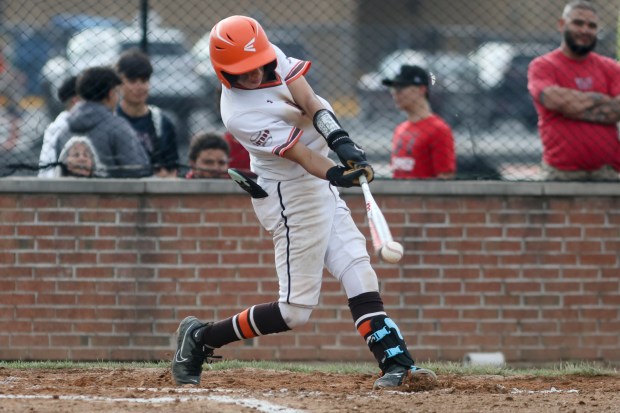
x: 271, y: 110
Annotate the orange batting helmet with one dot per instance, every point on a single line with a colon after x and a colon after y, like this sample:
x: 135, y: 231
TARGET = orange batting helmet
x: 238, y: 44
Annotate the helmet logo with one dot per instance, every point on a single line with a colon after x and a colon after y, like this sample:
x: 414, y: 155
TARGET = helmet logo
x: 250, y: 46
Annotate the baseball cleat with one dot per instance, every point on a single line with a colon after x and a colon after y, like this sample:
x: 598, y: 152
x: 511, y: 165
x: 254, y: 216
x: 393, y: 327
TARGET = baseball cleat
x: 191, y: 353
x: 396, y: 375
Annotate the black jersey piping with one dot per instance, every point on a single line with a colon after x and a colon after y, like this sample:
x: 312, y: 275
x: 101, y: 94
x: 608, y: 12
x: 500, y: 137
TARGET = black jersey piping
x: 288, y: 244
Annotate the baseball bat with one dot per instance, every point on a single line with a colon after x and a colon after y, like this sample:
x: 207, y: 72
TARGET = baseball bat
x: 379, y: 229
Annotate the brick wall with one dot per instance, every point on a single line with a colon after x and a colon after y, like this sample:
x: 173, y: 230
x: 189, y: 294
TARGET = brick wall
x: 106, y: 271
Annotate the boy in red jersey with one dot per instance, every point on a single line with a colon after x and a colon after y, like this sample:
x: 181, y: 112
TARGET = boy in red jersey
x: 423, y: 145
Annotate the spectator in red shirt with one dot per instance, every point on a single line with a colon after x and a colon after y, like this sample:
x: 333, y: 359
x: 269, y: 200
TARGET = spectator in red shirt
x: 239, y: 156
x: 577, y: 95
x: 423, y: 145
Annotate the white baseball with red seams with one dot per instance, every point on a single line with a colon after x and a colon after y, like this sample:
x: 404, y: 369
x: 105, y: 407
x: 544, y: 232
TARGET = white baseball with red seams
x: 392, y: 252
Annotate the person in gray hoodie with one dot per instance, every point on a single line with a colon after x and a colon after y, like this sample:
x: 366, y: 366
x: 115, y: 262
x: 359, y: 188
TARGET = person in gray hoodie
x: 112, y: 136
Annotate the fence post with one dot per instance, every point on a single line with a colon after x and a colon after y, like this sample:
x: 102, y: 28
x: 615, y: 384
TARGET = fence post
x: 144, y: 18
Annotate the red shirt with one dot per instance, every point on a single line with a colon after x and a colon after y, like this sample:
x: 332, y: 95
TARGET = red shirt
x: 571, y: 144
x: 239, y: 157
x: 422, y: 149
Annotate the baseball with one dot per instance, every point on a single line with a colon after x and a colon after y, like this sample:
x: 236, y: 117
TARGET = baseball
x: 392, y: 252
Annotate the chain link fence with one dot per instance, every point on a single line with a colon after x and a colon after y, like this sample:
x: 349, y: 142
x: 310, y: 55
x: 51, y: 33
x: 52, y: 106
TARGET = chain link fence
x: 478, y: 52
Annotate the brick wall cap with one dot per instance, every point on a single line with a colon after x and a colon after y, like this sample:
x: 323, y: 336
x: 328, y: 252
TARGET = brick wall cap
x: 385, y: 187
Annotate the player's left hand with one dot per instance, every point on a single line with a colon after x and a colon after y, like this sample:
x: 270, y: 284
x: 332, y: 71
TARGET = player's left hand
x: 344, y: 177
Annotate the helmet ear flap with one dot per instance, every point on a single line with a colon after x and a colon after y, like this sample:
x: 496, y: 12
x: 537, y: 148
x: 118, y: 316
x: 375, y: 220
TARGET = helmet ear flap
x: 270, y: 69
x: 231, y: 79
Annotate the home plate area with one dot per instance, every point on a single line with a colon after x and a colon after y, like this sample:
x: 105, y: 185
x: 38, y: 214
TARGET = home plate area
x: 255, y: 390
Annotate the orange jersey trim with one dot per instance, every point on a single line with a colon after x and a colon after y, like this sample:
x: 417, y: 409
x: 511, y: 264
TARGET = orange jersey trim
x: 293, y: 137
x: 298, y: 70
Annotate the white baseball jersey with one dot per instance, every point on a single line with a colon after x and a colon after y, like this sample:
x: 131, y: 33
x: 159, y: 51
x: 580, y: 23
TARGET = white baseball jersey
x: 267, y: 122
x: 311, y: 225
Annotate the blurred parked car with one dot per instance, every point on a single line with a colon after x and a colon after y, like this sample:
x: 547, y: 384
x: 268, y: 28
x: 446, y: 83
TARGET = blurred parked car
x: 503, y: 73
x: 175, y: 84
x: 30, y: 47
x: 453, y: 96
x: 21, y: 138
x: 59, y: 30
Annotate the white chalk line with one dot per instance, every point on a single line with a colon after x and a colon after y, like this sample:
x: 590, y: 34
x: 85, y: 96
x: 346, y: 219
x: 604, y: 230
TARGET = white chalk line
x: 551, y: 390
x: 259, y: 405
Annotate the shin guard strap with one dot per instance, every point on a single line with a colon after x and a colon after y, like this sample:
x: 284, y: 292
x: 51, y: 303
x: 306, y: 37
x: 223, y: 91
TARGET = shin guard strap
x: 387, y: 344
x: 378, y: 335
x: 394, y: 351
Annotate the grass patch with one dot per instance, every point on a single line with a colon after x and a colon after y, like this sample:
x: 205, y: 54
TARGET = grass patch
x: 551, y: 370
x: 441, y: 368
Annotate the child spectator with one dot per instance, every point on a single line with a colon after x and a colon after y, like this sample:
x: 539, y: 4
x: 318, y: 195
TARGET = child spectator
x: 208, y: 156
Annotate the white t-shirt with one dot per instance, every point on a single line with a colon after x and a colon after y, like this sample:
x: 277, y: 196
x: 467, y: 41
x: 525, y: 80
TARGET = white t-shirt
x: 267, y: 122
x: 50, y: 137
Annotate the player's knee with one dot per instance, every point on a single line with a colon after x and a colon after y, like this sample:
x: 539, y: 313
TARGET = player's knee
x: 294, y: 315
x: 359, y: 278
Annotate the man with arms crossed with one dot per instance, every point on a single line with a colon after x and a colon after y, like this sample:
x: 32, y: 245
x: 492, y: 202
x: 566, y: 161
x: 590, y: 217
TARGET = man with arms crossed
x: 577, y: 95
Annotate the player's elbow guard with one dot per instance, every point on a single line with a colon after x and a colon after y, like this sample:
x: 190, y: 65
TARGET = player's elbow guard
x: 326, y: 124
x: 338, y: 139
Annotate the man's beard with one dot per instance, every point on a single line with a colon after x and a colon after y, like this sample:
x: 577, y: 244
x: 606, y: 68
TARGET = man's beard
x: 579, y: 50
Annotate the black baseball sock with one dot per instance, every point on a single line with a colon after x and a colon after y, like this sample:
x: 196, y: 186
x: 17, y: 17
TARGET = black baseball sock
x: 257, y: 320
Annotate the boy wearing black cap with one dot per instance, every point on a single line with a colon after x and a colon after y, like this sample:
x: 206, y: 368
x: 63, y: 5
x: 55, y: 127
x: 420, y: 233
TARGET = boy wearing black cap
x: 423, y: 145
x: 68, y: 97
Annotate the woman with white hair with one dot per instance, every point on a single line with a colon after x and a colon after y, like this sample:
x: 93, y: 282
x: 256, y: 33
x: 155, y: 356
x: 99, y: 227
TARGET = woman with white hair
x: 79, y: 158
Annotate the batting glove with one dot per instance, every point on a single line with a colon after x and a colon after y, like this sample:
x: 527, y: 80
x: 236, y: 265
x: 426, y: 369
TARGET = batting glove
x: 344, y: 177
x: 350, y: 154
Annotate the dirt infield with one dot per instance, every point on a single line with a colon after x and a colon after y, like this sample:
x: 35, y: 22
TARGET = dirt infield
x: 252, y: 390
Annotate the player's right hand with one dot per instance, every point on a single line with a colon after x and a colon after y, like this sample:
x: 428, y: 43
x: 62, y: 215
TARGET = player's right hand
x: 344, y: 177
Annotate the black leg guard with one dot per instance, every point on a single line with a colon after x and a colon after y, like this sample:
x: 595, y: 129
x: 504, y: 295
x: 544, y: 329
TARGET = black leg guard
x: 387, y: 344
